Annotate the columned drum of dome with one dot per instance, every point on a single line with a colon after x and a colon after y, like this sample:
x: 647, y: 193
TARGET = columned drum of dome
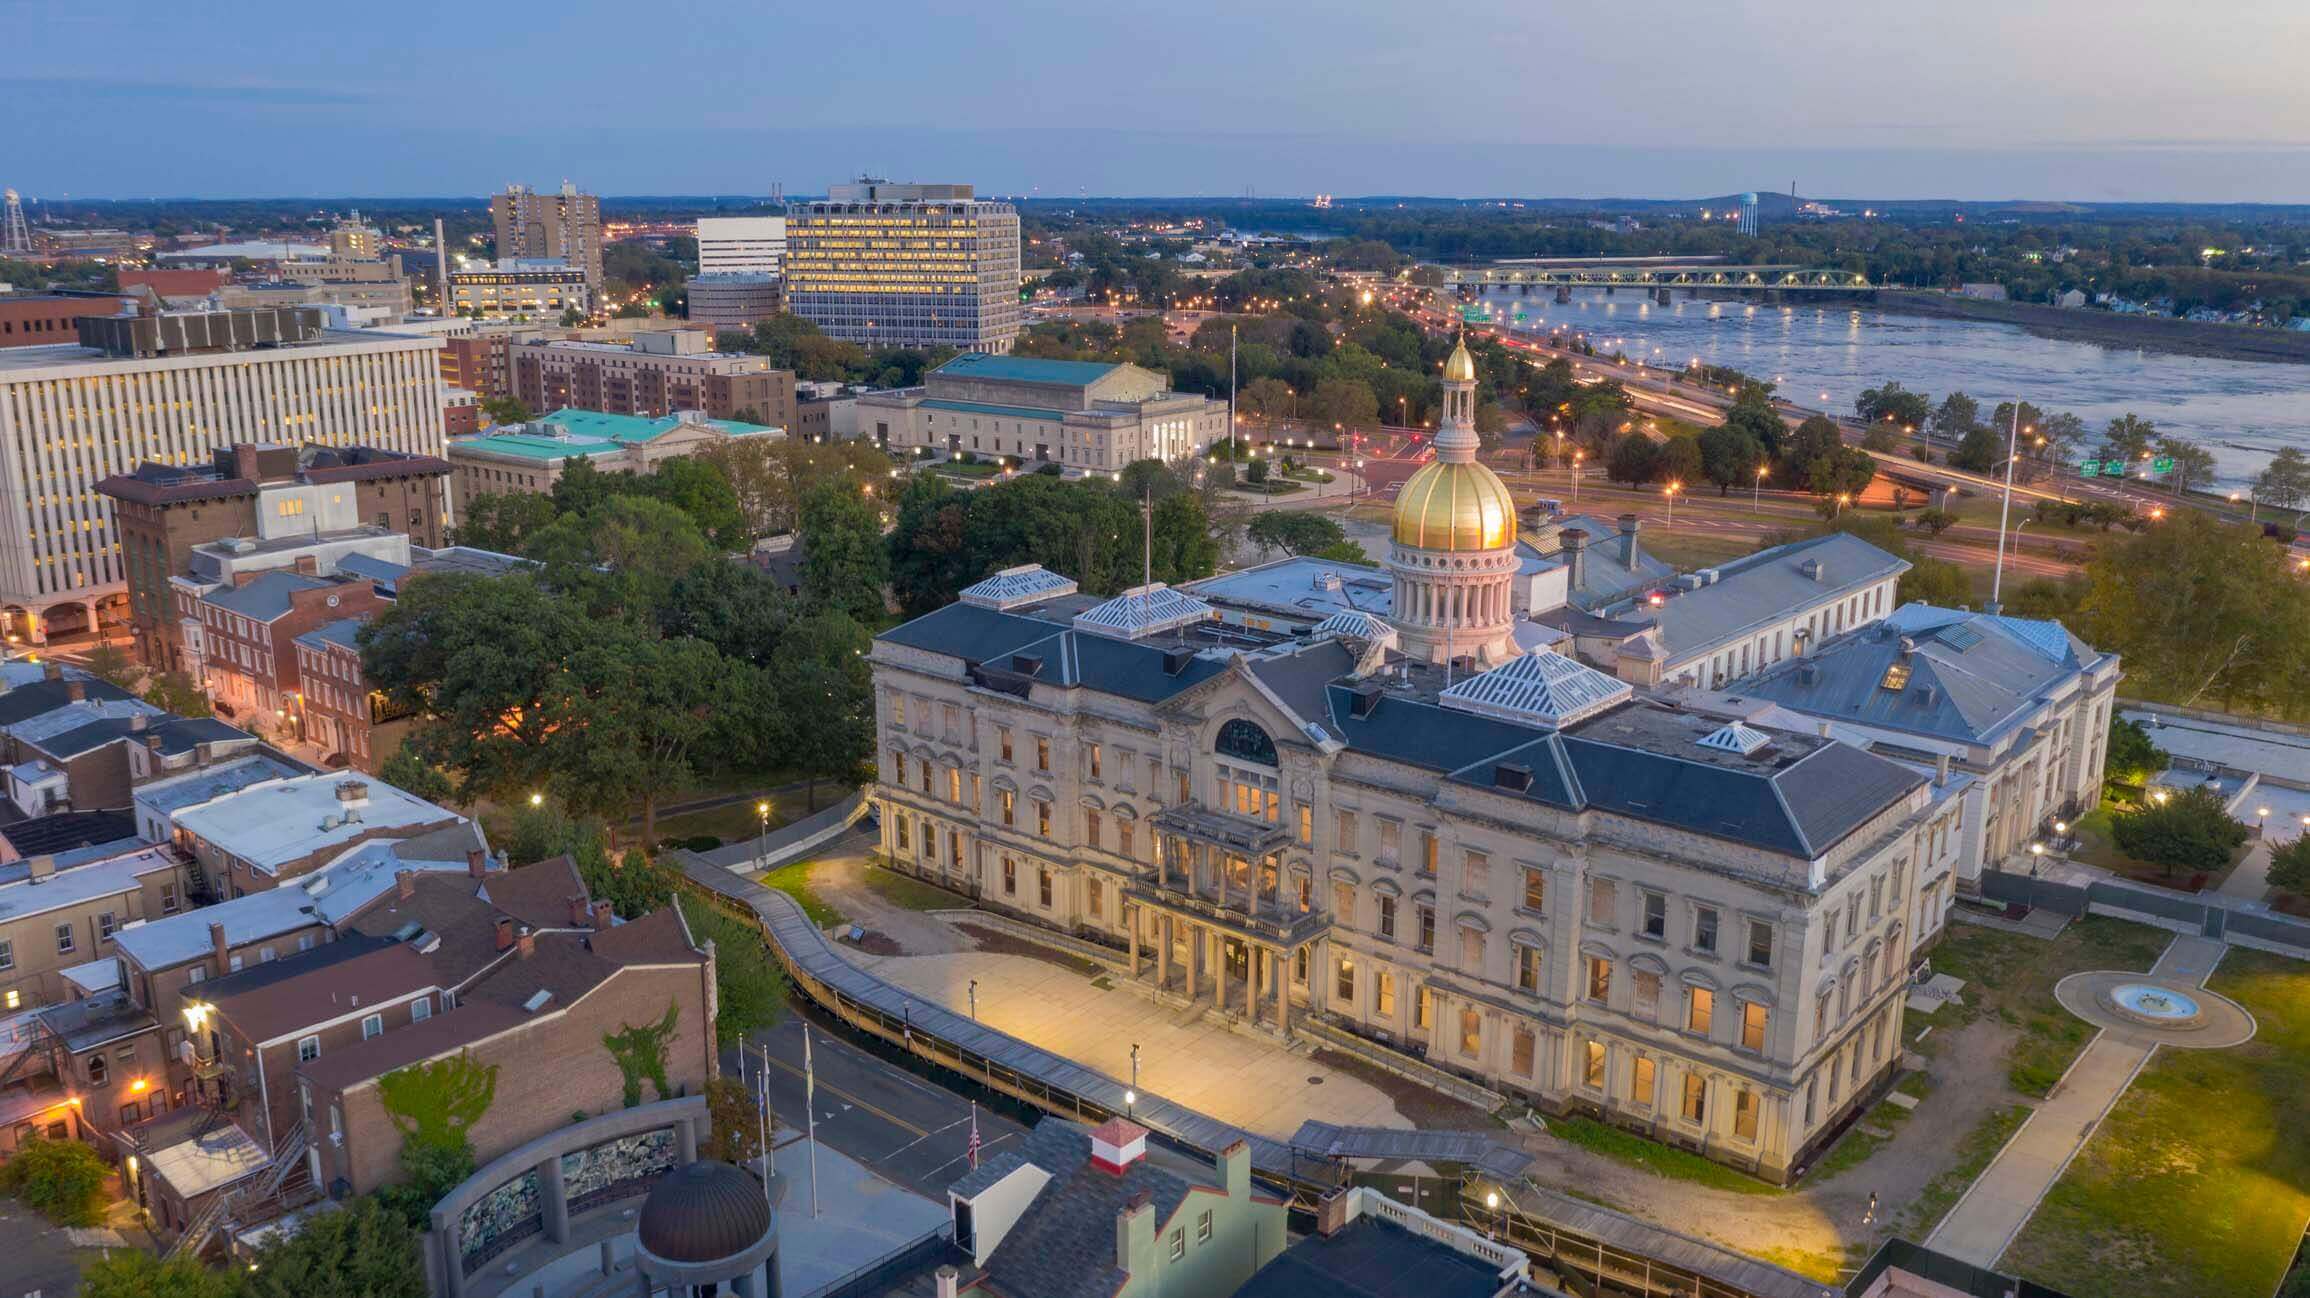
x: 1453, y: 555
x: 707, y: 1227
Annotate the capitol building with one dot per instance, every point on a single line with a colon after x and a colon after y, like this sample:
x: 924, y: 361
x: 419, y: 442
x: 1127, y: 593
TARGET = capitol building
x: 1411, y: 829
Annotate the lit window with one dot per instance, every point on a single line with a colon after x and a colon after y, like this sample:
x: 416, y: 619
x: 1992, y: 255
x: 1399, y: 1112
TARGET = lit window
x: 1896, y: 677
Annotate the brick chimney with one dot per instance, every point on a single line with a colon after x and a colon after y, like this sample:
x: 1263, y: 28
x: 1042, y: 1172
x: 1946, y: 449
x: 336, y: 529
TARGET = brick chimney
x: 245, y: 462
x: 308, y: 566
x: 580, y: 914
x: 41, y: 867
x: 243, y: 576
x: 526, y: 944
x: 1331, y: 1212
x: 504, y: 933
x: 1135, y: 1235
x: 152, y: 742
x: 1629, y: 524
x: 76, y: 690
x: 222, y: 950
x: 405, y: 883
x: 136, y: 724
x: 353, y: 793
x: 51, y: 671
x: 476, y: 862
x: 602, y: 914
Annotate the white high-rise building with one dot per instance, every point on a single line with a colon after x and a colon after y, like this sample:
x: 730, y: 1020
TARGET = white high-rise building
x: 906, y: 266
x: 730, y: 245
x: 174, y: 389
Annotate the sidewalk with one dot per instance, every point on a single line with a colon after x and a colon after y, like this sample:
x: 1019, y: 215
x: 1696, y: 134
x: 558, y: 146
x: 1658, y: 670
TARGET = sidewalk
x: 2001, y: 1200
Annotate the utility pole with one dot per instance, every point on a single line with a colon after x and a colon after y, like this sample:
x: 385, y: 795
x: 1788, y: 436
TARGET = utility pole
x: 441, y: 270
x: 1231, y: 392
x: 2005, y: 511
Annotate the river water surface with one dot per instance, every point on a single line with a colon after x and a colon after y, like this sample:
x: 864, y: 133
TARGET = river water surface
x: 1824, y: 354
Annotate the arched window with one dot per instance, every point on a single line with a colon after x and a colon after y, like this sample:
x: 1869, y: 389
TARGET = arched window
x: 1246, y: 742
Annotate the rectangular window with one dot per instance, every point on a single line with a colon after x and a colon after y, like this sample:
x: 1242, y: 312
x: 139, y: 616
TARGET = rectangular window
x: 1471, y: 950
x: 1384, y: 994
x: 954, y: 784
x: 1093, y: 758
x: 1185, y: 790
x: 1476, y: 872
x: 1344, y: 832
x: 899, y: 827
x: 1599, y: 979
x: 1010, y: 877
x: 1755, y: 1019
x: 1427, y: 853
x: 1760, y: 944
x: 1043, y: 886
x: 104, y: 926
x: 1203, y: 1227
x: 1094, y: 899
x: 1042, y: 753
x: 1427, y: 920
x: 1521, y: 1048
x: 1423, y: 1007
x: 372, y: 1026
x: 1123, y: 835
x: 1391, y: 838
x: 168, y: 902
x: 1647, y: 996
x: 1471, y: 1033
x: 1641, y: 1082
x: 1388, y: 918
x: 1343, y: 903
x: 1090, y: 828
x: 1655, y: 915
x: 1306, y: 824
x: 1010, y: 803
x: 1178, y: 1243
x: 1700, y: 1010
x: 308, y: 1049
x: 1704, y: 930
x: 1535, y: 889
x: 1527, y: 968
x: 1345, y: 982
x: 1695, y: 1098
x: 1601, y: 901
x: 1745, y: 1114
x: 63, y: 939
x: 1592, y: 1066
x: 420, y: 1010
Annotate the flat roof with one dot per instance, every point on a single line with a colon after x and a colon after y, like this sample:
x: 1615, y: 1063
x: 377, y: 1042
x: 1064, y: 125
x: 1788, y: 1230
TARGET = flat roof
x: 1026, y: 369
x: 323, y: 897
x: 271, y: 824
x: 83, y: 883
x: 1302, y: 586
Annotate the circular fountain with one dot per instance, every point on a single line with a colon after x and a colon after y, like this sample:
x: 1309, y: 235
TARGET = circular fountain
x: 2155, y: 1006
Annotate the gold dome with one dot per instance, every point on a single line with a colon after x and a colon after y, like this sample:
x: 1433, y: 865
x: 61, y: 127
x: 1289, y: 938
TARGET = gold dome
x: 1456, y: 507
x: 1460, y: 367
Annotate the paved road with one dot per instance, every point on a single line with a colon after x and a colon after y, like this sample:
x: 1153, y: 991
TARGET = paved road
x: 874, y: 1110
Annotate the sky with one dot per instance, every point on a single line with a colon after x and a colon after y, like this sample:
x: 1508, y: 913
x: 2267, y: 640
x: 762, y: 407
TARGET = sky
x: 2085, y: 100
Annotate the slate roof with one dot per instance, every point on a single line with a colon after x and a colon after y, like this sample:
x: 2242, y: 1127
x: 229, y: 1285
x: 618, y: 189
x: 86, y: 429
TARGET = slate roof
x: 1603, y: 577
x: 1767, y: 587
x: 339, y: 633
x: 981, y: 636
x: 21, y: 703
x: 1064, y: 1244
x: 267, y: 596
x: 64, y: 830
x: 1372, y: 1258
x: 1972, y: 677
x: 177, y: 735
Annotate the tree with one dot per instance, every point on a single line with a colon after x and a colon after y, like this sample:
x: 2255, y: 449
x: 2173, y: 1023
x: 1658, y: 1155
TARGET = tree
x: 930, y: 556
x: 1935, y: 581
x: 1935, y: 521
x: 1635, y: 460
x: 1255, y: 473
x: 1981, y: 450
x: 2128, y: 438
x: 429, y: 1170
x: 1679, y: 461
x: 1752, y: 413
x: 2186, y: 830
x: 178, y: 693
x: 505, y: 522
x: 1895, y: 405
x: 702, y: 489
x: 2290, y: 865
x: 733, y: 1116
x: 133, y: 1273
x: 1267, y: 400
x: 1347, y: 402
x: 632, y: 713
x: 1880, y: 437
x: 846, y: 564
x: 2286, y: 481
x: 2132, y: 756
x: 2202, y: 609
x: 1957, y: 415
x: 62, y: 1180
x: 825, y: 694
x: 2192, y: 462
x: 737, y: 608
x: 110, y: 663
x: 506, y: 410
x: 413, y: 775
x: 1294, y: 531
x: 359, y: 1250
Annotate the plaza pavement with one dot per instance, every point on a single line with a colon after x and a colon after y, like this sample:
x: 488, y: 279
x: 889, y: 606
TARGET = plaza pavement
x: 1248, y: 1081
x: 1985, y: 1221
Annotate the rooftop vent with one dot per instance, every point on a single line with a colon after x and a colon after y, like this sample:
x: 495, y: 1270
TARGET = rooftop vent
x: 1327, y: 581
x: 1810, y: 569
x: 1027, y: 664
x: 1509, y: 775
x: 1176, y: 658
x: 1736, y: 737
x: 1365, y: 701
x: 1808, y: 674
x: 537, y: 1000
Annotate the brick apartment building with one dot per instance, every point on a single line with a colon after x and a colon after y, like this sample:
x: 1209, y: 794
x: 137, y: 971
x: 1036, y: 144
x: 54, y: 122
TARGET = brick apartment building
x: 660, y: 373
x: 341, y: 712
x: 241, y: 640
x: 270, y: 502
x: 48, y: 319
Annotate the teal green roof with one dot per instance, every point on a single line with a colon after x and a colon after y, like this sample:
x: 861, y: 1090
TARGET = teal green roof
x: 590, y: 432
x: 1022, y: 369
x: 981, y: 408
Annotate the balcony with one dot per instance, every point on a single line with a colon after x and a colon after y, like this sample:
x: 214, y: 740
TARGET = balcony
x: 1237, y: 835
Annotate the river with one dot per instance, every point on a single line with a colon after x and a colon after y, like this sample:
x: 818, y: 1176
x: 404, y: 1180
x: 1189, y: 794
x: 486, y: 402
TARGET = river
x: 1824, y: 354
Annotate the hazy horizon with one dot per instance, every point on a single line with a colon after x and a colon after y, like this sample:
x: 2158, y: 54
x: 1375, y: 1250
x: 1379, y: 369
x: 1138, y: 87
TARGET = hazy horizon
x: 2051, y: 100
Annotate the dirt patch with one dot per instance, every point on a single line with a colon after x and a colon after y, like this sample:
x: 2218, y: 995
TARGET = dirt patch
x: 996, y: 942
x: 879, y: 944
x: 1419, y: 1106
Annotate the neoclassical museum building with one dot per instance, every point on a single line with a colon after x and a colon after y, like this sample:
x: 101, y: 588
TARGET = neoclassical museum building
x: 1406, y: 827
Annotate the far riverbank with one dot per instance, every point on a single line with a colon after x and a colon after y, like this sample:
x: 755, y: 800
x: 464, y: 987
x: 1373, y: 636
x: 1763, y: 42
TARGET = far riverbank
x: 2106, y: 329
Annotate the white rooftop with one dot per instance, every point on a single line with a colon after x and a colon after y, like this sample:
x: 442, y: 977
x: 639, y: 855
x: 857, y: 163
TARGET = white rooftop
x: 166, y: 797
x: 82, y: 883
x: 72, y: 716
x: 271, y: 824
x: 326, y: 896
x: 95, y: 976
x: 1541, y: 688
x: 1026, y: 584
x: 1143, y: 611
x: 223, y: 1155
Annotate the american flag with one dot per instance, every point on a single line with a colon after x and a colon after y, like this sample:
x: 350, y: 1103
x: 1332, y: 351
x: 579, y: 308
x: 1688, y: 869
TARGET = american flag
x: 971, y: 1151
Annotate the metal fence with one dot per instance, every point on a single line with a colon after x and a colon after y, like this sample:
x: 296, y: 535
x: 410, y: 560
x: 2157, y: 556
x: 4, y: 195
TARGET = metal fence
x: 2209, y: 916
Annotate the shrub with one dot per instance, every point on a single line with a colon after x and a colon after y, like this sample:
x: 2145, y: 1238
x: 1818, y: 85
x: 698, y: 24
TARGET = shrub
x: 62, y: 1179
x: 2190, y: 830
x: 2290, y: 865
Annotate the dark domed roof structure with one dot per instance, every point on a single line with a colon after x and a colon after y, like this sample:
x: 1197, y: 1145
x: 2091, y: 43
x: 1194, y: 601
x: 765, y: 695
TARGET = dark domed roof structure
x: 704, y: 1212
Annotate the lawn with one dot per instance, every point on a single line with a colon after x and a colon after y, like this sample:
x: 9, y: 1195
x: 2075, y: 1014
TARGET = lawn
x: 2198, y: 1182
x: 1974, y: 1153
x: 2010, y: 976
x: 794, y: 881
x: 1654, y: 1157
x: 1691, y: 549
x: 911, y: 893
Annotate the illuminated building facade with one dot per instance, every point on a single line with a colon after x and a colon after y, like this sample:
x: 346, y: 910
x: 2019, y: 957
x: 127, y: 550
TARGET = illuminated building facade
x: 906, y: 266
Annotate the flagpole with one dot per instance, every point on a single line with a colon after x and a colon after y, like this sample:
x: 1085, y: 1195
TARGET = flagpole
x: 762, y: 1123
x: 810, y: 1114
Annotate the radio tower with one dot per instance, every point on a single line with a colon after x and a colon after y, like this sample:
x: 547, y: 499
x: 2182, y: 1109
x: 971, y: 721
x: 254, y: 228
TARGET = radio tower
x: 15, y: 236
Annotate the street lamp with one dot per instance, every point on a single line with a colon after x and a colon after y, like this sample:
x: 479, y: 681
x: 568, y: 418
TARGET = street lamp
x: 1670, y: 491
x: 1130, y: 1104
x: 762, y: 840
x: 537, y: 799
x: 1577, y: 457
x: 1492, y: 1207
x: 974, y: 995
x: 2262, y: 819
x: 1757, y: 492
x: 1843, y: 499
